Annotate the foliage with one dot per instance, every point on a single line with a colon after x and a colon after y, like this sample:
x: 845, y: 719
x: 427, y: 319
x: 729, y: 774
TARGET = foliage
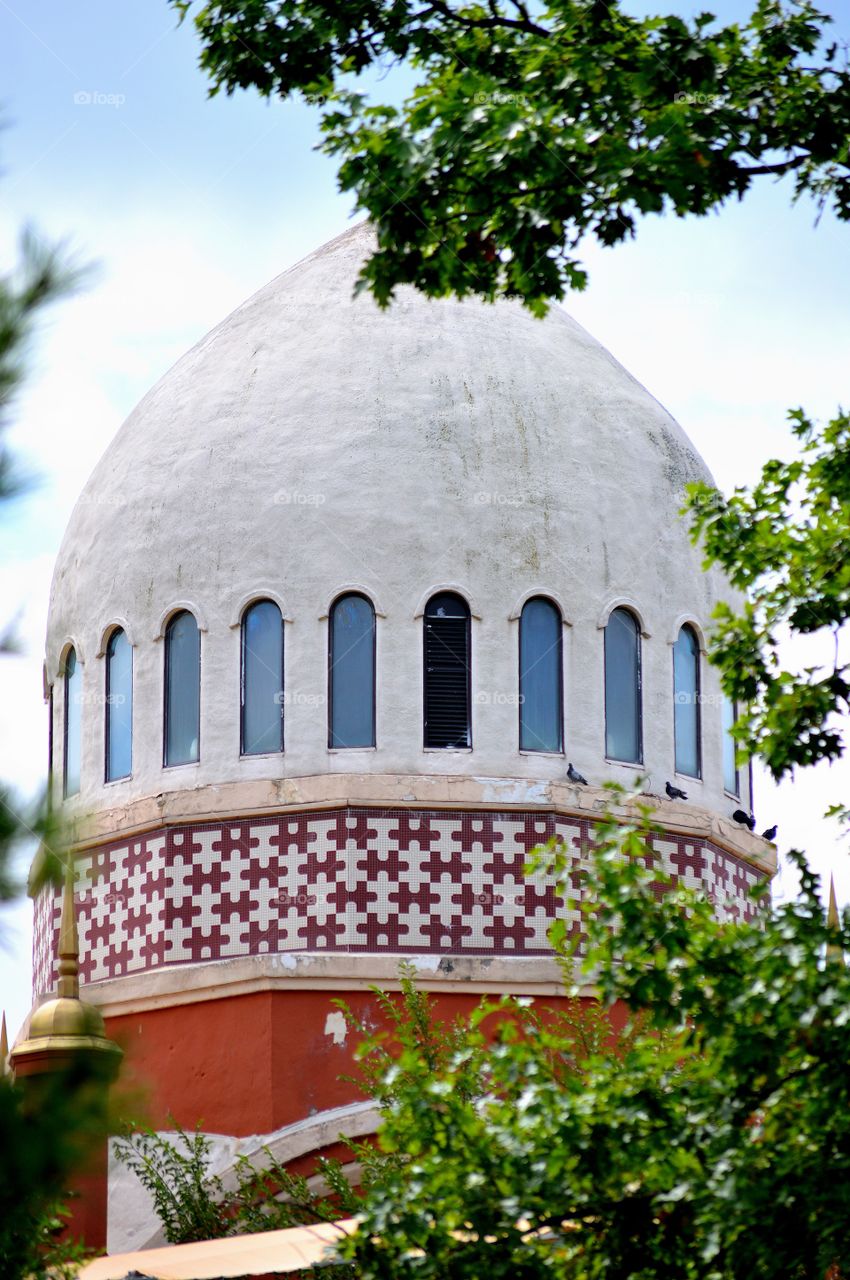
x: 48, y: 1127
x: 530, y: 127
x: 56, y: 1255
x: 185, y: 1194
x: 39, y: 1144
x: 42, y: 275
x: 786, y: 543
x: 713, y: 1142
x: 192, y: 1202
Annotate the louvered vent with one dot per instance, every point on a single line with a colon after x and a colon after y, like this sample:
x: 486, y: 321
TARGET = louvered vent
x: 447, y: 673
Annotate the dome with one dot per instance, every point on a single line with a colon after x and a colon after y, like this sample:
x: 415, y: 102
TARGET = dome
x: 311, y: 444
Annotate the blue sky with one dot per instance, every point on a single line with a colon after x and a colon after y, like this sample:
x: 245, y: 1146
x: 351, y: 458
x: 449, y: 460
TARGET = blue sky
x: 188, y: 205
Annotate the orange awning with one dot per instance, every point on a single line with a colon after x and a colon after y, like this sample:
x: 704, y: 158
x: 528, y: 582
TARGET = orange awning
x: 256, y: 1255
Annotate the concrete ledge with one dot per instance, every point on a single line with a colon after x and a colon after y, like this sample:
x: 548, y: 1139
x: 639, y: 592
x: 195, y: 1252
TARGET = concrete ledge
x: 267, y: 797
x: 311, y: 971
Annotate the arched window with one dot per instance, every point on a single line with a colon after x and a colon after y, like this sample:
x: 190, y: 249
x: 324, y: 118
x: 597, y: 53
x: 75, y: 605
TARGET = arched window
x: 182, y: 690
x: 262, y: 679
x: 686, y: 702
x: 72, y: 737
x: 540, y: 677
x: 351, y: 673
x: 119, y: 706
x: 622, y: 688
x: 731, y: 775
x: 447, y: 672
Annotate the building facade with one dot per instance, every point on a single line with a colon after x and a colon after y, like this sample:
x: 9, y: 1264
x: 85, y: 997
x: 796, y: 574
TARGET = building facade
x: 342, y: 601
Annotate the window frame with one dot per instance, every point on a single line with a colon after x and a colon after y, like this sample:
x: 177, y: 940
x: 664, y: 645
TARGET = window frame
x: 178, y: 764
x: 737, y: 793
x: 639, y: 762
x: 66, y: 678
x: 455, y: 595
x: 692, y: 632
x: 559, y: 751
x: 107, y: 735
x: 353, y: 595
x: 252, y: 604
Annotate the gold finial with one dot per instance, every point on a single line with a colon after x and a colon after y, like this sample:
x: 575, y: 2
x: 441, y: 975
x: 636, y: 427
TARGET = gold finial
x: 69, y: 942
x: 4, y: 1047
x: 833, y: 951
x: 64, y: 1028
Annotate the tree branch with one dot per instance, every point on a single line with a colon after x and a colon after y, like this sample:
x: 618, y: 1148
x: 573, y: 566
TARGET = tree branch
x: 516, y: 24
x: 781, y: 166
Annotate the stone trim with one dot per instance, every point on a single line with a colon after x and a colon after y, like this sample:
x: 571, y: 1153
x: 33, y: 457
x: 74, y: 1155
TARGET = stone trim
x: 257, y: 798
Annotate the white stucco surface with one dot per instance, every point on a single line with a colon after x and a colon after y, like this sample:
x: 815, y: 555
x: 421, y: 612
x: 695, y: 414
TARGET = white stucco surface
x: 132, y: 1222
x: 311, y: 442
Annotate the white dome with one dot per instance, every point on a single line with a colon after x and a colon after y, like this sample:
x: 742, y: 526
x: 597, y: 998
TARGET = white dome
x: 312, y: 442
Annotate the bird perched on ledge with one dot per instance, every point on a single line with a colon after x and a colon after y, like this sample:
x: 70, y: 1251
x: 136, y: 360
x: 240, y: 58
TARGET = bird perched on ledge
x: 675, y: 793
x: 745, y: 819
x: 770, y: 834
x: 575, y: 776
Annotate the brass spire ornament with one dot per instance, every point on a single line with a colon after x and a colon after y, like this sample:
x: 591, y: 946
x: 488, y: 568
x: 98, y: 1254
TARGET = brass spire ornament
x: 833, y: 951
x: 65, y: 1029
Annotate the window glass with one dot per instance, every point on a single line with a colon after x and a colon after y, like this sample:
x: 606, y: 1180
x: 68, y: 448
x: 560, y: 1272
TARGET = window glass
x: 622, y: 688
x: 182, y: 690
x: 540, y: 677
x: 73, y: 724
x: 731, y: 776
x: 119, y: 706
x: 351, y: 661
x: 686, y: 705
x: 262, y: 679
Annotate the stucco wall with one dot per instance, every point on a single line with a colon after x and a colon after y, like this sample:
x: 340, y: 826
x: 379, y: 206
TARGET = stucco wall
x: 311, y: 443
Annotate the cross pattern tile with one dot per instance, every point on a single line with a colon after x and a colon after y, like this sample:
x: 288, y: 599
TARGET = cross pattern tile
x: 350, y: 880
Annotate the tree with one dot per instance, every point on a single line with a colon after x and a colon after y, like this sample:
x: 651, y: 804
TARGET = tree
x: 786, y: 544
x: 531, y: 127
x: 710, y: 1142
x: 39, y: 1145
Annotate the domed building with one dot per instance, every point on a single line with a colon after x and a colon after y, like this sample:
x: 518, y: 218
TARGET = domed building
x: 345, y: 597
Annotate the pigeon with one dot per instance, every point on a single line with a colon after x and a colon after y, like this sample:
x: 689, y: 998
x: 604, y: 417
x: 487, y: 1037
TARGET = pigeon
x: 770, y: 834
x: 575, y: 776
x: 745, y: 819
x: 675, y: 793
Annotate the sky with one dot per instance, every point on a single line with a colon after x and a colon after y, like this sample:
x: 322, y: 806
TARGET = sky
x: 185, y: 205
